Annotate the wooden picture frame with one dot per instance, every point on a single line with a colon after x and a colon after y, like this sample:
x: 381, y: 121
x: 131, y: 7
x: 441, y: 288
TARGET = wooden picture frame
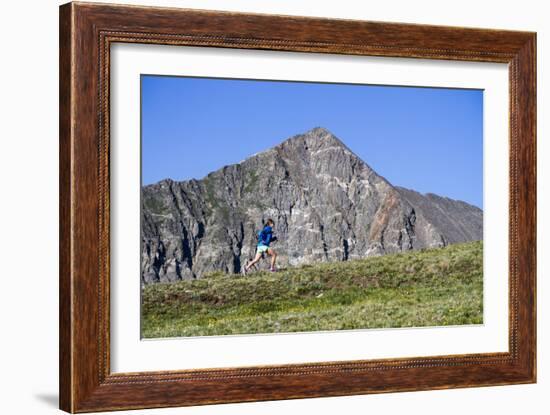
x: 86, y: 33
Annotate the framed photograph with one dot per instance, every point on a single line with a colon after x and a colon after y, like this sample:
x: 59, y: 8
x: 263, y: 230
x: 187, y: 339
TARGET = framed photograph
x: 258, y: 207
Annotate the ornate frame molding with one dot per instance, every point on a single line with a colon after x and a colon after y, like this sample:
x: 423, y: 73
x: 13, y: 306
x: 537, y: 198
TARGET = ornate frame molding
x: 86, y: 33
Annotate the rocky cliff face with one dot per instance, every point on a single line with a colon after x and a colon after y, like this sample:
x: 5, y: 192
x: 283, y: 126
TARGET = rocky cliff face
x: 327, y: 204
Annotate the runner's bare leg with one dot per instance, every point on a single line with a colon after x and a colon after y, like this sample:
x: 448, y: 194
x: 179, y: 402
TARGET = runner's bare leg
x: 273, y: 255
x: 254, y: 261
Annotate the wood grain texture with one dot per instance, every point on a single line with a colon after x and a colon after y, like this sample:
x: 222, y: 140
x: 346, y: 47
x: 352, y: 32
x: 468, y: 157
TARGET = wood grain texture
x: 86, y: 33
x: 65, y: 247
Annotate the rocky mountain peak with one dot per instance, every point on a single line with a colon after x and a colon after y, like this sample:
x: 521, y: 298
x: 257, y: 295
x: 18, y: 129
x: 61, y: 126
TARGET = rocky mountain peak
x: 317, y: 138
x: 327, y: 203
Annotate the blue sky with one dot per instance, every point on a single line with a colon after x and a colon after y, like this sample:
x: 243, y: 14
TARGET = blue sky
x: 426, y: 139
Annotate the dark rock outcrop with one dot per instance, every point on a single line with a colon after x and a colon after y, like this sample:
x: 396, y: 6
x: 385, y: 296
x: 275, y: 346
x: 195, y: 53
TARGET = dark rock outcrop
x: 328, y: 205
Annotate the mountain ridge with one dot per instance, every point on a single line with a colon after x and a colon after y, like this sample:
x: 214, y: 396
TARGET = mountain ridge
x: 328, y: 204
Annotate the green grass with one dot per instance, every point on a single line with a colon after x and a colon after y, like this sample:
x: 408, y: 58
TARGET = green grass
x: 435, y: 287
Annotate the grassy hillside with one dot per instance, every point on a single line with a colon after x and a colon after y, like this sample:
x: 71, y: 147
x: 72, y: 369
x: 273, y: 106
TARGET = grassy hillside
x: 442, y: 286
